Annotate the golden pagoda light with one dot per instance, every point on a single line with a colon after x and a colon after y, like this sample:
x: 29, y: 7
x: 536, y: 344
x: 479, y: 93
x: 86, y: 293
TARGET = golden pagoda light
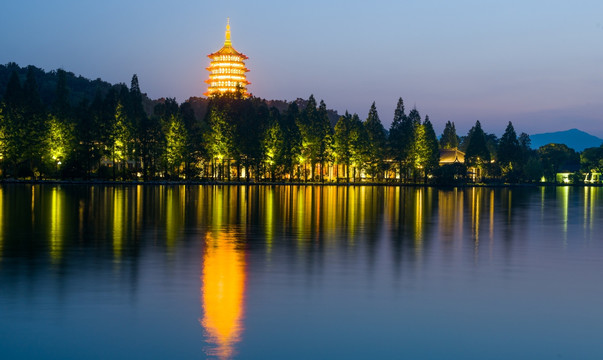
x: 227, y: 70
x: 223, y: 290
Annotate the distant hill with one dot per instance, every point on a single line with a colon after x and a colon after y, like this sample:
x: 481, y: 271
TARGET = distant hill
x: 79, y: 87
x: 573, y: 138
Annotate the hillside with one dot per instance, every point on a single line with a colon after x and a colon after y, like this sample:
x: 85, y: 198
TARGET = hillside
x: 80, y: 88
x: 573, y: 138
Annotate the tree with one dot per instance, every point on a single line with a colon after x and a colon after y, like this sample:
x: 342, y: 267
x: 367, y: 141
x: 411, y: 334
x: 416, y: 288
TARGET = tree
x: 32, y: 127
x: 449, y: 139
x: 316, y: 131
x: 121, y: 139
x: 176, y: 140
x: 413, y: 122
x: 325, y: 137
x: 427, y: 154
x: 341, y: 142
x: 219, y: 138
x: 61, y: 106
x: 4, y: 144
x: 509, y: 154
x: 359, y: 146
x: 397, y: 136
x: 59, y: 142
x: 292, y: 141
x: 554, y: 157
x: 477, y: 154
x: 591, y: 159
x: 272, y: 144
x: 377, y: 141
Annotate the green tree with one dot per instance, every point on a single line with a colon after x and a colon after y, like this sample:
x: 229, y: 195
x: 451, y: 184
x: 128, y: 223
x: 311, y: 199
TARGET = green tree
x: 398, y: 137
x: 272, y: 144
x: 359, y: 146
x: 176, y: 145
x: 509, y: 154
x: 342, y: 148
x: 591, y: 159
x: 426, y: 153
x: 61, y: 107
x: 477, y: 154
x: 292, y: 141
x: 325, y: 137
x: 59, y: 143
x: 554, y: 157
x: 219, y: 138
x: 121, y: 140
x: 316, y: 132
x: 449, y: 138
x: 32, y: 127
x: 4, y: 144
x: 377, y: 141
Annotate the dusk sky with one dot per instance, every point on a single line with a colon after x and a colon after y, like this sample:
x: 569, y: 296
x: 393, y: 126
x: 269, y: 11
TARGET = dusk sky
x: 536, y: 63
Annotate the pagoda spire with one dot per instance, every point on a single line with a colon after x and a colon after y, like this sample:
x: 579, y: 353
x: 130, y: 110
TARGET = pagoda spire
x: 227, y: 41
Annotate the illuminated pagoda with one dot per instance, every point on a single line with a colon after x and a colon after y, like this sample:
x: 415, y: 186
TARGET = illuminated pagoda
x: 227, y: 70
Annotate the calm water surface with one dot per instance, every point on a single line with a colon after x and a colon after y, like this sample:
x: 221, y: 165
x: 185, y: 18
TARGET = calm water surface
x: 294, y: 272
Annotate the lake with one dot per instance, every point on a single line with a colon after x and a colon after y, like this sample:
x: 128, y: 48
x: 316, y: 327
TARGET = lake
x: 300, y: 272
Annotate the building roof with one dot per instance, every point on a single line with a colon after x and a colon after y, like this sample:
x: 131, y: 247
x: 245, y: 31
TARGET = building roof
x: 450, y: 156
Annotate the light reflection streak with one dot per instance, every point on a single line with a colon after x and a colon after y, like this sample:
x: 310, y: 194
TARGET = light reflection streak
x: 563, y: 193
x: 56, y: 229
x: 1, y: 222
x: 118, y: 223
x: 269, y: 216
x: 223, y: 293
x: 419, y: 219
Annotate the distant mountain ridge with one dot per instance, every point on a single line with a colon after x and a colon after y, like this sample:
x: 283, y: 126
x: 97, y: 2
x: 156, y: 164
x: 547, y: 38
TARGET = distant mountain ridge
x: 573, y: 138
x: 79, y: 88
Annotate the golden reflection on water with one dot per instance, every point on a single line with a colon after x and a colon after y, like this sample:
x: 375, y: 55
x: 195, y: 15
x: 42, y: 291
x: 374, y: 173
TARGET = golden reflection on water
x: 1, y: 223
x: 223, y: 292
x: 563, y: 194
x: 269, y: 222
x: 118, y: 223
x: 56, y: 225
x: 174, y: 216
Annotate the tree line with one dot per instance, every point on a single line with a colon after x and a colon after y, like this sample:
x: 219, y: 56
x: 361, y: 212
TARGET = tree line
x: 239, y: 139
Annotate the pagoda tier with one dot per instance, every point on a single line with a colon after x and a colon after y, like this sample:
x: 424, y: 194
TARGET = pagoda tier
x: 227, y: 70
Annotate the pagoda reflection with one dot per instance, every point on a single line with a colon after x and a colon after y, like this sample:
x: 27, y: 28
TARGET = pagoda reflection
x: 223, y: 292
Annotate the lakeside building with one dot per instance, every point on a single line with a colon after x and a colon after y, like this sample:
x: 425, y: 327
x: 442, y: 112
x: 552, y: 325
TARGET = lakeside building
x: 227, y: 71
x: 451, y: 156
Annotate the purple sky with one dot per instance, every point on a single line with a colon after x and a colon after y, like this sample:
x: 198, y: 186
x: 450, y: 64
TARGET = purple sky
x: 537, y: 63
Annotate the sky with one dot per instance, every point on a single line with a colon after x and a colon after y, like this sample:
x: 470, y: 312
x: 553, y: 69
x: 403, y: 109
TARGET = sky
x: 536, y: 63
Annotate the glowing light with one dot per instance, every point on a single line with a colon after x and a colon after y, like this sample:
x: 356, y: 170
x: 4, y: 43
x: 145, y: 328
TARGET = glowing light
x: 56, y: 231
x: 118, y: 223
x: 223, y: 289
x: 227, y: 70
x: 1, y: 223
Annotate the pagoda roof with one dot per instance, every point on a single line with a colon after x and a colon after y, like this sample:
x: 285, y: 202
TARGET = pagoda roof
x: 450, y: 156
x: 227, y: 50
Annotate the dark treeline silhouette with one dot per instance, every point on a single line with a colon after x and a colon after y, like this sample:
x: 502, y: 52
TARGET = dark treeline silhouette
x: 119, y: 134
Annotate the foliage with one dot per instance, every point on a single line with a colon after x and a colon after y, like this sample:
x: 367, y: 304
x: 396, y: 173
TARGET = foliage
x: 557, y: 157
x: 591, y: 159
x: 509, y: 154
x: 477, y: 152
x: 449, y: 138
x: 176, y: 139
x: 342, y: 147
x: 46, y: 134
x: 427, y: 154
x: 376, y: 144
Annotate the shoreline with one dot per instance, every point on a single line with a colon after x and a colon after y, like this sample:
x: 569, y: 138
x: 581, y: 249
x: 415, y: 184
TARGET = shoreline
x: 277, y: 183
